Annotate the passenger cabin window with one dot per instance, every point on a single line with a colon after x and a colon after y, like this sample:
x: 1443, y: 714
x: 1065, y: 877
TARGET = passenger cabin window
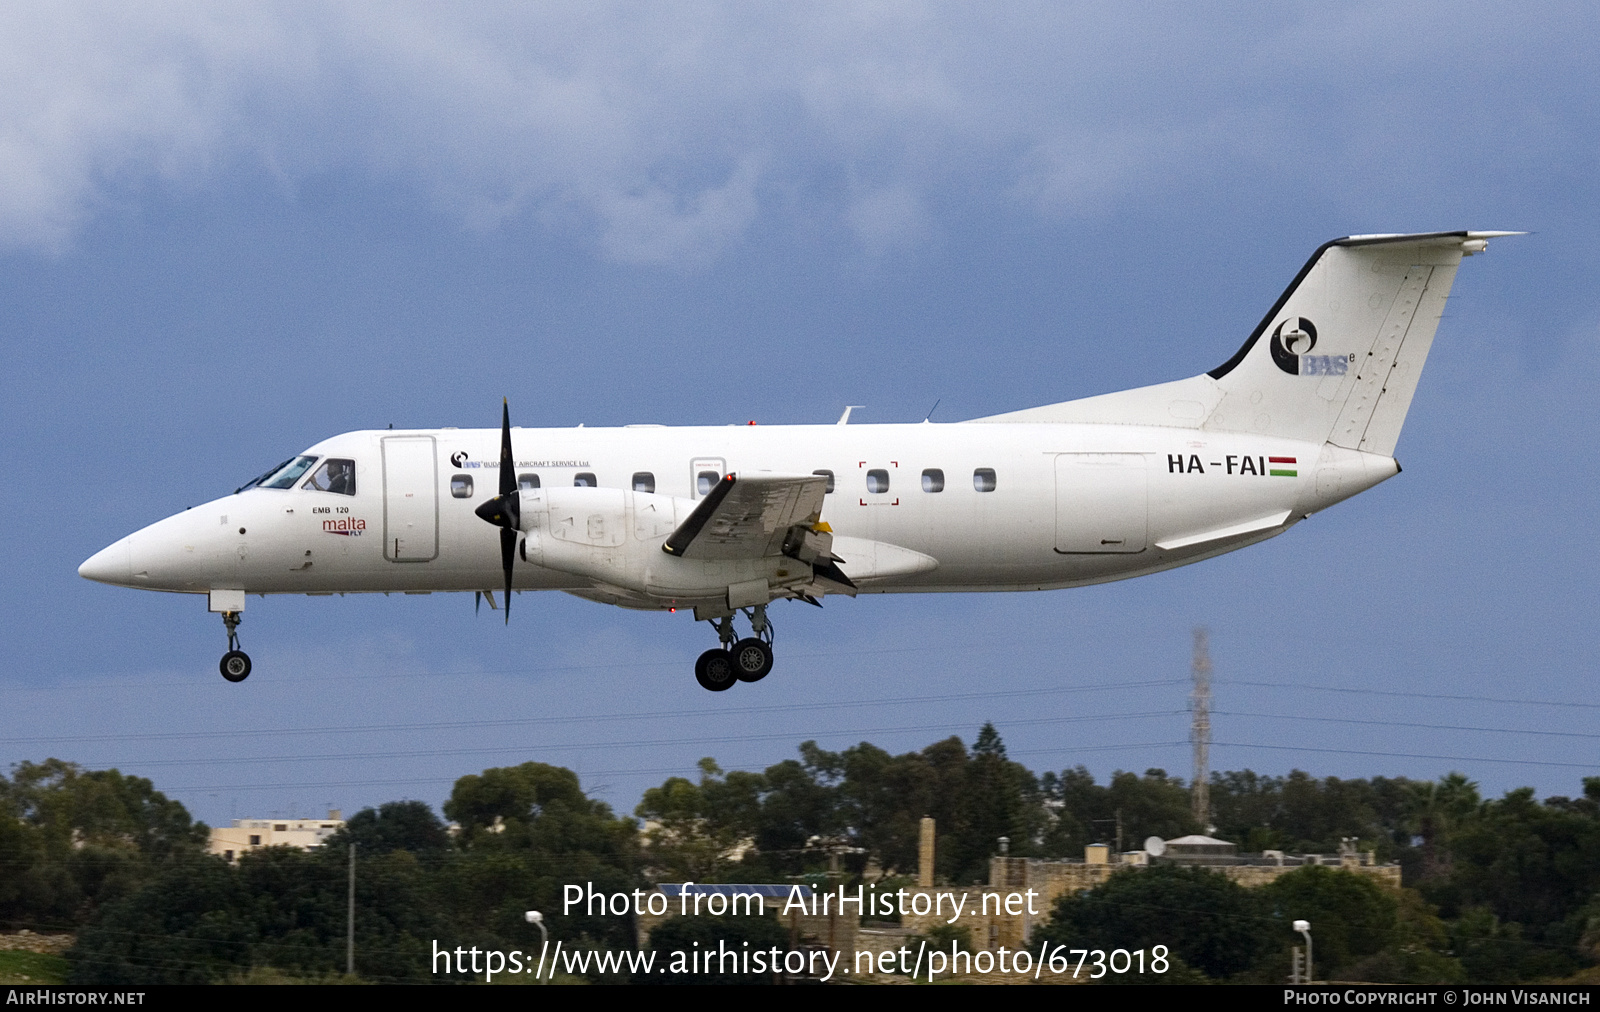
x: 585, y: 479
x: 828, y: 475
x: 933, y: 480
x: 877, y: 480
x: 983, y: 479
x: 644, y: 481
x: 526, y: 481
x: 705, y: 481
x: 335, y: 475
x: 461, y: 486
x: 288, y: 474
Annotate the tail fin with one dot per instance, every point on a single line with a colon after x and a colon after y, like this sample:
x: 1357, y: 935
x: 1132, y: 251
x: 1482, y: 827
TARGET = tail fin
x: 1335, y: 360
x: 1338, y: 357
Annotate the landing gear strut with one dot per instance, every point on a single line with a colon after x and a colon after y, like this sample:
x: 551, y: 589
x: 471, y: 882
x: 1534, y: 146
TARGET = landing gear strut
x: 235, y: 664
x: 746, y: 660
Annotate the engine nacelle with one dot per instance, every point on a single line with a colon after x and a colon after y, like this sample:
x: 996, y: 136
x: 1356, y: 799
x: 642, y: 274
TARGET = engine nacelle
x: 614, y: 537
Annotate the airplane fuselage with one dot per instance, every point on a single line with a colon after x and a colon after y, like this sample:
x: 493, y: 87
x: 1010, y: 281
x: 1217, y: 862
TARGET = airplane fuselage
x: 996, y: 506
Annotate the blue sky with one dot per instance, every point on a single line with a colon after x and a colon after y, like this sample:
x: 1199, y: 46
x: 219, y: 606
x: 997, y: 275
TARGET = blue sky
x: 228, y: 233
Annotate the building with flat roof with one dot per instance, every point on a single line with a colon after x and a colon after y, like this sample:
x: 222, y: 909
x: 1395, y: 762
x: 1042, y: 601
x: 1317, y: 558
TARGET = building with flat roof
x: 245, y: 835
x: 993, y: 925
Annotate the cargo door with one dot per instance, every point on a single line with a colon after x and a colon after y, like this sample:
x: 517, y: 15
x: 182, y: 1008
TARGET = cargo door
x: 1102, y: 503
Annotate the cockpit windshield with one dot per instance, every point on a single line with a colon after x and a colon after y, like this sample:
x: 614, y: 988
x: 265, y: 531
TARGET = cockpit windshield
x: 253, y: 482
x: 282, y: 476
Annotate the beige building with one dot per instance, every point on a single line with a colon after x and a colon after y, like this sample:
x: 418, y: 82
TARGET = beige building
x: 244, y: 835
x: 999, y: 914
x: 1014, y: 878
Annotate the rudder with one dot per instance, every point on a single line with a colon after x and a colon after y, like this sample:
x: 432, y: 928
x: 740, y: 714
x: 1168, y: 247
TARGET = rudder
x: 1338, y: 357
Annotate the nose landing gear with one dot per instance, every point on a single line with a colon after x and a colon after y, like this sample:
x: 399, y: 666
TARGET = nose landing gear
x: 235, y: 664
x: 747, y: 660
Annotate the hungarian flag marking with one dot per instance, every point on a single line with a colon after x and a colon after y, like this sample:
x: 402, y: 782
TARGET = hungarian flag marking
x: 1285, y: 472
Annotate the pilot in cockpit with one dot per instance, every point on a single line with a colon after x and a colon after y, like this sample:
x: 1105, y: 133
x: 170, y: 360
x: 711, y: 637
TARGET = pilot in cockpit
x: 335, y: 475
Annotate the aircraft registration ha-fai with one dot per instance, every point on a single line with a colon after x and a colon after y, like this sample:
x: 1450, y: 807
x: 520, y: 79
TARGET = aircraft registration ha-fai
x: 723, y: 521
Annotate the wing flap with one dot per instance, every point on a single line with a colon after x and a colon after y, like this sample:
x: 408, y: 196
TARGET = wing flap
x: 748, y: 516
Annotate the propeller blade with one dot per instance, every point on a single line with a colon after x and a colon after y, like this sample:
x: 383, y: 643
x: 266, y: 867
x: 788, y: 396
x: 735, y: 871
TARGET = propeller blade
x: 505, y: 509
x: 508, y: 466
x: 508, y: 489
x: 477, y: 601
x: 508, y: 548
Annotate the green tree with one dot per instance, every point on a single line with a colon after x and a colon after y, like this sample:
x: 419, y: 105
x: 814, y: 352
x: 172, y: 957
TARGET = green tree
x: 528, y: 832
x: 77, y: 839
x: 204, y: 921
x: 393, y: 825
x: 698, y: 830
x: 1001, y: 798
x: 1139, y: 806
x: 1211, y: 922
x: 192, y: 924
x: 795, y: 808
x: 1351, y: 915
x: 74, y: 808
x: 1436, y: 810
x: 1419, y: 953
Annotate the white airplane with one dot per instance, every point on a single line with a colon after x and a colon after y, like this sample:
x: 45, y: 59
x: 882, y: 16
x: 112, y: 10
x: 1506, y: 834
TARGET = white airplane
x: 726, y: 520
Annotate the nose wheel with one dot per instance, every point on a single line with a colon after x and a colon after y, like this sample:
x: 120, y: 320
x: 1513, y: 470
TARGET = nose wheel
x: 235, y: 664
x: 746, y: 660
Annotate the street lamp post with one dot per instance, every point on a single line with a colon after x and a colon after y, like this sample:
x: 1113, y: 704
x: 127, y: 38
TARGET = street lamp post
x: 1304, y: 927
x: 536, y: 919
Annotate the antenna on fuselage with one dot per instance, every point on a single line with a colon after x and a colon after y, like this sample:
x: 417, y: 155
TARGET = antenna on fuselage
x: 844, y: 419
x: 931, y: 410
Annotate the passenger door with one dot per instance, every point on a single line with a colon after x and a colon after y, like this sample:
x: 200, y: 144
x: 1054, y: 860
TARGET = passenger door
x: 410, y: 499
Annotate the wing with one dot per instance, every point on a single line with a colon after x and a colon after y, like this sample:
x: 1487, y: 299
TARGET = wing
x: 749, y: 516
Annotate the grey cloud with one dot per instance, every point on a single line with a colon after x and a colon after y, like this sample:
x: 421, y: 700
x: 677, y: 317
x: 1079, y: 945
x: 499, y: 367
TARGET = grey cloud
x: 667, y: 133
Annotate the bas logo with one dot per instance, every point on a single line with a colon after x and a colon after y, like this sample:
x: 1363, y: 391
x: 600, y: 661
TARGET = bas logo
x: 1291, y: 346
x: 458, y: 458
x: 348, y: 526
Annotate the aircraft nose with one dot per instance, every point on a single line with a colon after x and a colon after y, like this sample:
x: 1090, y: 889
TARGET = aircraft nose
x: 112, y: 564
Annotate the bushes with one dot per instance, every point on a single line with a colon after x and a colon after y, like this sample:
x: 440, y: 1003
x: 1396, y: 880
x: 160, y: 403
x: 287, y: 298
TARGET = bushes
x: 1362, y: 930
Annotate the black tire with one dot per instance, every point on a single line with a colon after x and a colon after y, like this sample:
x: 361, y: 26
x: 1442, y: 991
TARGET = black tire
x: 714, y: 670
x: 235, y: 665
x: 752, y: 659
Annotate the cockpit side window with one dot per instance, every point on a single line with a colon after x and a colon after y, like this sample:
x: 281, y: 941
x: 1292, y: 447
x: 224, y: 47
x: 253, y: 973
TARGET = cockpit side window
x: 335, y: 475
x: 289, y: 473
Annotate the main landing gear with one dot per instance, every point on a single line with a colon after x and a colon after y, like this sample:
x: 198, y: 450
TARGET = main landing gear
x: 746, y: 660
x: 235, y: 665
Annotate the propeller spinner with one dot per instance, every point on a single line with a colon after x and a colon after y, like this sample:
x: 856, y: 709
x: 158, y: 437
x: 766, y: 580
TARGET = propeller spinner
x: 504, y: 510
